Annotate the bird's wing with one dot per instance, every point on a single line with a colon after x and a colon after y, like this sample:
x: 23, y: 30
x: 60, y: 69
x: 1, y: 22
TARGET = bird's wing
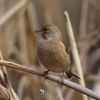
x: 66, y: 48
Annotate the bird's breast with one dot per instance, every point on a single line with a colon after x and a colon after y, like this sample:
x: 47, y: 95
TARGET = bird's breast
x: 52, y: 56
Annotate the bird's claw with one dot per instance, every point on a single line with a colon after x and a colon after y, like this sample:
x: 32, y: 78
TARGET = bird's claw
x: 45, y: 73
x: 61, y: 79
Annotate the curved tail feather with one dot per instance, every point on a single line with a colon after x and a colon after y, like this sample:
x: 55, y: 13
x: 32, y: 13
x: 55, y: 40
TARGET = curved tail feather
x: 70, y: 74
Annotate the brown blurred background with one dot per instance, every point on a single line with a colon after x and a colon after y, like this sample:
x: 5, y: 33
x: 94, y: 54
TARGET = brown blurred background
x: 18, y: 21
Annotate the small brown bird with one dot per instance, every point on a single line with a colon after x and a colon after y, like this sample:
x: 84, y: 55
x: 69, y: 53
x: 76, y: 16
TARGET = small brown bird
x: 52, y: 52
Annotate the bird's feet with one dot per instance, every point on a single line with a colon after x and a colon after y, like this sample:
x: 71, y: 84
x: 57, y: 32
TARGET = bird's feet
x: 61, y: 79
x: 45, y: 73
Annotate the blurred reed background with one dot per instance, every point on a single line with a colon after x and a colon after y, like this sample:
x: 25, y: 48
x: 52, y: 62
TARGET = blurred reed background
x: 18, y: 21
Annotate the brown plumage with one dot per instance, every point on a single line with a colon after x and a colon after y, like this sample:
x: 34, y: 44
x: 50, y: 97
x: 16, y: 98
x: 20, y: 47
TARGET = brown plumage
x: 52, y: 52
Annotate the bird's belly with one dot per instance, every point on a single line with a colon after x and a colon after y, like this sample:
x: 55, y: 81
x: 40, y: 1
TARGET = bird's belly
x: 52, y: 60
x: 52, y: 64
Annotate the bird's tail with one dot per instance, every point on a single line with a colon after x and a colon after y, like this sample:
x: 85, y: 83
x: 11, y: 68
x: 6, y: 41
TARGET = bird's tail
x: 69, y: 74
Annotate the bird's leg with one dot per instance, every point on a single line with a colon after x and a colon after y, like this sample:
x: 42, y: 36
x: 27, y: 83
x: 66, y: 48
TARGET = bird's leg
x: 62, y: 78
x: 45, y: 73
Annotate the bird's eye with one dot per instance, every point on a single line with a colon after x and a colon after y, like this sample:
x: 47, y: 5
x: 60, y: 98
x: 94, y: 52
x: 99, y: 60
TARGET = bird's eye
x: 45, y: 29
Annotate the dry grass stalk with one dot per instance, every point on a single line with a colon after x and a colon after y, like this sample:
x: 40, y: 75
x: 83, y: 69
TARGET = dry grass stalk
x: 92, y: 77
x: 4, y: 93
x: 59, y: 92
x: 67, y: 83
x: 32, y: 24
x: 13, y: 11
x: 83, y: 32
x: 95, y: 3
x: 23, y: 36
x: 8, y: 38
x: 83, y: 20
x: 5, y: 88
x: 69, y: 94
x: 75, y: 51
x: 50, y: 17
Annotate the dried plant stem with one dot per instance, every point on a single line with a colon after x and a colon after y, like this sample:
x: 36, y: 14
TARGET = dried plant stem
x: 83, y: 31
x: 75, y: 51
x: 92, y: 77
x: 5, y: 74
x: 5, y: 93
x: 69, y: 94
x: 13, y: 11
x: 83, y: 21
x: 95, y: 4
x: 60, y: 96
x: 67, y: 83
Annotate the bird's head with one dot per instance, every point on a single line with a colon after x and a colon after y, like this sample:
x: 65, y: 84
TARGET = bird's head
x: 49, y: 31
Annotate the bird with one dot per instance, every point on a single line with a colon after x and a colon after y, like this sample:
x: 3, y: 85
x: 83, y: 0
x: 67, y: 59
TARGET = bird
x: 52, y: 52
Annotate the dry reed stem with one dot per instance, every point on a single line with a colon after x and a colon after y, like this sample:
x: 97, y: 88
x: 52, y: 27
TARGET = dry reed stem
x: 67, y: 83
x: 59, y: 92
x: 92, y: 77
x: 83, y: 32
x: 75, y: 51
x: 50, y: 17
x: 9, y: 38
x: 95, y: 4
x: 23, y: 36
x: 19, y: 55
x: 8, y: 90
x: 69, y: 94
x: 13, y: 11
x: 5, y: 93
x: 32, y: 25
x: 83, y: 20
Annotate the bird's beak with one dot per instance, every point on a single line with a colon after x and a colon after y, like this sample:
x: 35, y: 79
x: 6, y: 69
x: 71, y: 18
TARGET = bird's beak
x: 39, y: 31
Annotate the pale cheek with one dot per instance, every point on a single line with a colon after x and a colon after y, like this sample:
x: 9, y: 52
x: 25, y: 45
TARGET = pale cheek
x: 50, y: 38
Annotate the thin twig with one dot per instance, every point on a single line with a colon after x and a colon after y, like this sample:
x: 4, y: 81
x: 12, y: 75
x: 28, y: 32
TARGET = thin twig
x: 67, y: 83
